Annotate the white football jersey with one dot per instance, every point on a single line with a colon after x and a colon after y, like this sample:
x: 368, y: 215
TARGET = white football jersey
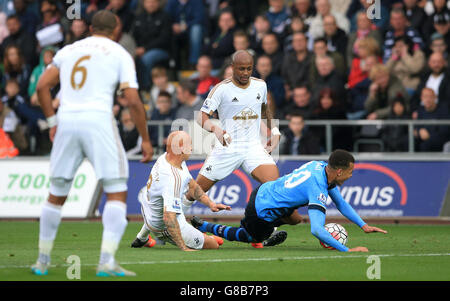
x: 166, y: 187
x: 90, y: 70
x: 239, y: 109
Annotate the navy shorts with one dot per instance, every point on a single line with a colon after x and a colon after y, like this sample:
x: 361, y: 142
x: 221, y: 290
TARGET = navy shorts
x: 258, y: 228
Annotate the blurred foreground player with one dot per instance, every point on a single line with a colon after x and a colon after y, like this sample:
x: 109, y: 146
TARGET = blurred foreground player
x: 161, y: 200
x: 89, y: 72
x: 275, y: 203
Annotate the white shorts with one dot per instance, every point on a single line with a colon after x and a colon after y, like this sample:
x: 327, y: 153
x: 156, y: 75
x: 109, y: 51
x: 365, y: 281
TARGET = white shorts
x: 222, y: 161
x: 192, y: 237
x: 91, y: 135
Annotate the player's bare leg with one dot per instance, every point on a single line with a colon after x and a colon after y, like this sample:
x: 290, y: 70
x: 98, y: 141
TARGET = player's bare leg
x: 114, y: 224
x: 265, y: 173
x: 212, y: 242
x: 48, y: 227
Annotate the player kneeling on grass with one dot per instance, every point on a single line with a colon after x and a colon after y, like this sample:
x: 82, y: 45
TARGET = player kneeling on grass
x: 275, y: 203
x: 161, y: 200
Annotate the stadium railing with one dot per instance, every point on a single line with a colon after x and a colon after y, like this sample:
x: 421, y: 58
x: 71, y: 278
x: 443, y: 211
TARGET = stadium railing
x: 328, y: 126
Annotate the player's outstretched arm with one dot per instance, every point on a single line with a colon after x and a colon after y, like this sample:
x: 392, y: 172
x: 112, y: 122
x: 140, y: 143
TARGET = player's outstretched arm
x: 137, y: 112
x: 170, y: 220
x: 317, y: 220
x: 197, y: 193
x: 48, y: 80
x: 350, y: 213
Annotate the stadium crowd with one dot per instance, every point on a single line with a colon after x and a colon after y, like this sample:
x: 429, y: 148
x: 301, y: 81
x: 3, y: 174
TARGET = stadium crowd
x: 321, y: 59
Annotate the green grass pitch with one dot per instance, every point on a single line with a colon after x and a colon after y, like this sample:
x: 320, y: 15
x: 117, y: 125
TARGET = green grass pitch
x: 407, y: 252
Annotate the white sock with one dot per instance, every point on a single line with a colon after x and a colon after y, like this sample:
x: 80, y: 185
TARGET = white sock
x: 114, y: 224
x: 48, y: 227
x: 143, y: 234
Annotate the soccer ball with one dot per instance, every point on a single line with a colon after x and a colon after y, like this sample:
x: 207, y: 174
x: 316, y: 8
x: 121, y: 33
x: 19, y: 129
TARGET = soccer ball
x: 338, y: 232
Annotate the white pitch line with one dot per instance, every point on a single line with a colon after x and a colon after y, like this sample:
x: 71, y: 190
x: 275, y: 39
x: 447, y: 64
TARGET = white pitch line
x: 222, y: 260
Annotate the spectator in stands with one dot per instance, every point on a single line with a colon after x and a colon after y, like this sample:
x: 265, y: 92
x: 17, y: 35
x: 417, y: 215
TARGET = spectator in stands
x: 152, y: 34
x: 300, y: 103
x: 437, y: 19
x: 271, y: 48
x: 274, y: 82
x: 221, y: 45
x: 335, y: 37
x: 261, y: 27
x: 379, y: 18
x: 383, y: 90
x: 297, y: 25
x: 125, y: 39
x: 4, y: 32
x: 406, y: 62
x: 15, y: 67
x: 46, y: 58
x: 163, y: 111
x: 50, y: 31
x: 329, y: 107
x: 32, y: 117
x: 430, y: 138
x: 240, y: 42
x: 160, y: 83
x: 296, y: 64
x: 205, y: 81
x: 18, y: 36
x: 78, y: 30
x: 129, y: 134
x: 323, y: 8
x: 320, y: 49
x: 368, y: 54
x: 298, y: 140
x: 190, y: 102
x: 28, y: 18
x: 415, y: 15
x: 438, y: 44
x: 188, y: 21
x: 304, y: 10
x: 399, y: 27
x: 363, y: 30
x: 278, y: 15
x: 124, y: 11
x: 328, y: 77
x: 243, y: 11
x: 437, y: 78
x: 395, y: 137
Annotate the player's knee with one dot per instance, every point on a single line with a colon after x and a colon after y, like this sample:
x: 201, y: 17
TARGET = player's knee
x: 210, y: 243
x: 114, y: 185
x: 60, y: 187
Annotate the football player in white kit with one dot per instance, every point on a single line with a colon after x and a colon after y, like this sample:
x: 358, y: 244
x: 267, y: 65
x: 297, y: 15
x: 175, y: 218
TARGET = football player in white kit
x: 161, y: 200
x: 89, y: 72
x: 240, y: 101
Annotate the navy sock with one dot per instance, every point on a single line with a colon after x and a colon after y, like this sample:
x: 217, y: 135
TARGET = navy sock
x: 227, y: 232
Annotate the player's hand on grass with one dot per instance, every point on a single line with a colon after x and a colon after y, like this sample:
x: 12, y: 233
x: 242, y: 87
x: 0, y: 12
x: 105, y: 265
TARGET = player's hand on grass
x: 368, y: 229
x: 147, y: 151
x: 218, y: 207
x: 358, y: 249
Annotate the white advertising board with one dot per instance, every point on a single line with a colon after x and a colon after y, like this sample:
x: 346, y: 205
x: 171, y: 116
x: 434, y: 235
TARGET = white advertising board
x: 24, y: 187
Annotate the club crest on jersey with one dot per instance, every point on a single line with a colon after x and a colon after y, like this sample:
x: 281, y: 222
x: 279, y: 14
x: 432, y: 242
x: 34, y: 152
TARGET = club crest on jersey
x: 246, y: 117
x: 322, y: 198
x: 235, y: 100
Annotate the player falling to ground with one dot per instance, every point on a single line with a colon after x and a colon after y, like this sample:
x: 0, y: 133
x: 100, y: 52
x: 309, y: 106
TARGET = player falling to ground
x: 161, y: 200
x: 274, y: 203
x: 89, y: 71
x: 240, y: 101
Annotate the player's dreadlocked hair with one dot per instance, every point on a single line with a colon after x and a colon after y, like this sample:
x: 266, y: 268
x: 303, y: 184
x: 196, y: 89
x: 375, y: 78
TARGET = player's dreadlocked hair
x: 340, y: 159
x: 104, y: 22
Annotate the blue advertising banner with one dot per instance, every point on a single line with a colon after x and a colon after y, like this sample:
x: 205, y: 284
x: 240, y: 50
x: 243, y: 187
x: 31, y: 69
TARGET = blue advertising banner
x: 377, y: 188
